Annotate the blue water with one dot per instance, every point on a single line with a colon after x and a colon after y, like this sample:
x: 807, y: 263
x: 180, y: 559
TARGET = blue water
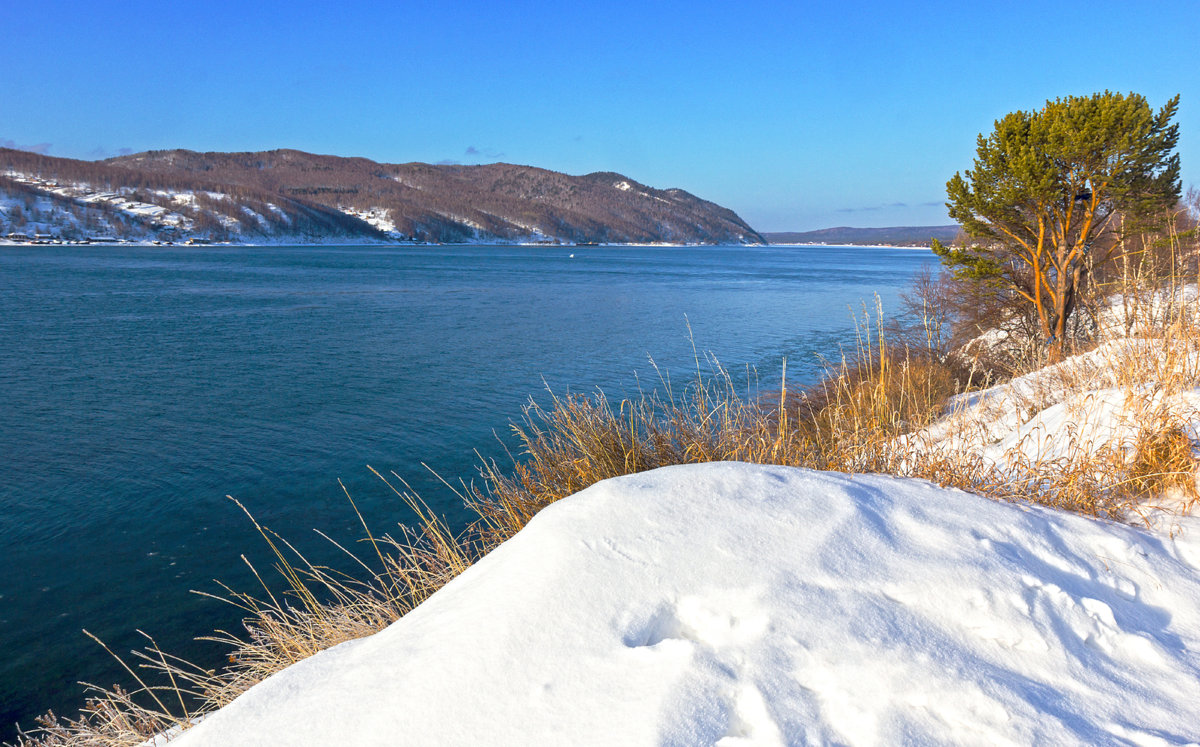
x: 140, y: 386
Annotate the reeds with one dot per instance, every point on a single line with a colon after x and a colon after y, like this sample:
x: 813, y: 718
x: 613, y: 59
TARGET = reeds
x: 577, y: 441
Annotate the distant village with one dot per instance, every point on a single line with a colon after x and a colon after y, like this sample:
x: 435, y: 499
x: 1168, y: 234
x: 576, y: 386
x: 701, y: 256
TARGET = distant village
x: 49, y: 238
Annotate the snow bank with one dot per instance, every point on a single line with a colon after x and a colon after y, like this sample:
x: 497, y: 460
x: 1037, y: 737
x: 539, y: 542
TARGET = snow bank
x: 1093, y: 403
x: 734, y: 604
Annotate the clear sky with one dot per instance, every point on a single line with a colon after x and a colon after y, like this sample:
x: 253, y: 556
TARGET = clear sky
x: 797, y: 115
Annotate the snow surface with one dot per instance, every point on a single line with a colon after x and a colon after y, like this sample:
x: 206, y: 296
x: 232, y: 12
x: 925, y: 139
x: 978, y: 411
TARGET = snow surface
x: 735, y: 604
x: 377, y: 217
x: 1072, y: 410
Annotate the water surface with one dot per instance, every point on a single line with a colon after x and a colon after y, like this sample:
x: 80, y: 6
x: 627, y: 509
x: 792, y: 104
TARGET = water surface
x: 140, y: 386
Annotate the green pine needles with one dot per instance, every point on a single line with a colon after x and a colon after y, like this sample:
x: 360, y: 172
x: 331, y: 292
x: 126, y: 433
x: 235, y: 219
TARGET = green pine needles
x: 1050, y: 190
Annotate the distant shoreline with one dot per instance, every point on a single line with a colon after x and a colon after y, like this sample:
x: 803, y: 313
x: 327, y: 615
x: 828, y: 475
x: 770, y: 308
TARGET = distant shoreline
x: 231, y: 244
x: 883, y: 236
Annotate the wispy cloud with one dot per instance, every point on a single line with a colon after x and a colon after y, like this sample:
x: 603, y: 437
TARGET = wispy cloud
x: 886, y: 206
x: 473, y: 152
x: 100, y: 152
x: 42, y: 148
x: 448, y: 162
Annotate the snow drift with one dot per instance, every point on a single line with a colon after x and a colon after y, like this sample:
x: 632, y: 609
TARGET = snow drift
x: 1093, y: 413
x: 735, y: 604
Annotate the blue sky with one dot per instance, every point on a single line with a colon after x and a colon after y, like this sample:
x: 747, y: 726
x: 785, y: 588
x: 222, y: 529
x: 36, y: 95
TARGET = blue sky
x: 797, y: 115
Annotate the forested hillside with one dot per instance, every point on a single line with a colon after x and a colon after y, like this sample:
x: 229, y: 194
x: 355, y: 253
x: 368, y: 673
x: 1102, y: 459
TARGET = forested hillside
x: 287, y: 195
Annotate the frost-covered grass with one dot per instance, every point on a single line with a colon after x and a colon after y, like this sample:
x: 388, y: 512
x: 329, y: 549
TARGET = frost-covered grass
x: 1109, y: 433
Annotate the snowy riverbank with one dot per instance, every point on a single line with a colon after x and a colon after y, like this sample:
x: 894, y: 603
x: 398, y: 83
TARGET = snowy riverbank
x: 738, y: 604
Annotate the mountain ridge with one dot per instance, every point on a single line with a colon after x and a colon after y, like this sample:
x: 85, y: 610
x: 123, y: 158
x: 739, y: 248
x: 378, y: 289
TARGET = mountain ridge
x: 891, y: 235
x: 287, y: 194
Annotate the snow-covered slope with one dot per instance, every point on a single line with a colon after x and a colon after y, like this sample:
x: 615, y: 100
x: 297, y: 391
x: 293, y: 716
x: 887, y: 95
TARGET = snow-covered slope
x: 734, y: 604
x: 34, y: 207
x: 1090, y: 412
x: 75, y: 211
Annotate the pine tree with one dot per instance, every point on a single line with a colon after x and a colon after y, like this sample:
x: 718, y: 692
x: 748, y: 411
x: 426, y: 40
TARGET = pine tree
x: 1041, y: 205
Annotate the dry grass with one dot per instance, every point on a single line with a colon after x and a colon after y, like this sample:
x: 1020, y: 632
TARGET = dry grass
x: 878, y: 410
x: 316, y: 609
x: 578, y: 441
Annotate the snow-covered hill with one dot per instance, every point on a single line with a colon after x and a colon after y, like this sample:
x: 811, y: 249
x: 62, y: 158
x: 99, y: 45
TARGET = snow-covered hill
x: 291, y: 196
x: 48, y: 210
x: 734, y: 604
x: 43, y: 207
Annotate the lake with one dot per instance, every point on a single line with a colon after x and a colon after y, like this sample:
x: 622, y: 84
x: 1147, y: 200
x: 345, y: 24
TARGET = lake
x: 139, y: 386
